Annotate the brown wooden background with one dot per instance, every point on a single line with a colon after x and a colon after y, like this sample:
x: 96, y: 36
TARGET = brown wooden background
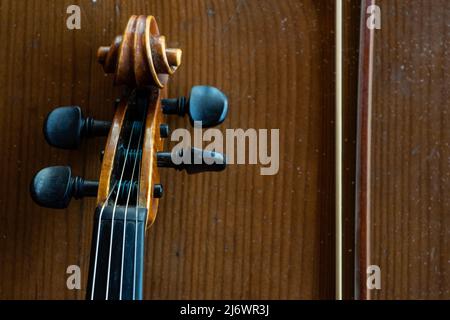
x: 350, y: 56
x: 230, y: 235
x: 410, y: 174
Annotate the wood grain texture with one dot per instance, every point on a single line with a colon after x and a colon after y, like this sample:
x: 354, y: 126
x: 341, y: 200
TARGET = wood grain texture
x: 231, y: 235
x: 409, y: 202
x: 351, y: 24
x: 106, y: 177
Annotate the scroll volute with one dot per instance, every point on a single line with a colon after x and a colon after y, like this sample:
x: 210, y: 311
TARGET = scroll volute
x: 140, y: 60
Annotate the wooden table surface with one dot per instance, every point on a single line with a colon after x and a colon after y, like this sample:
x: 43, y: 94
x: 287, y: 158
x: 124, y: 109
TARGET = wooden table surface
x: 231, y: 235
x: 410, y: 151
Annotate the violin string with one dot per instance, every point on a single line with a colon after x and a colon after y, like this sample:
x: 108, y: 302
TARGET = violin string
x: 136, y: 217
x: 126, y: 208
x: 136, y: 231
x: 114, y: 210
x: 98, y: 239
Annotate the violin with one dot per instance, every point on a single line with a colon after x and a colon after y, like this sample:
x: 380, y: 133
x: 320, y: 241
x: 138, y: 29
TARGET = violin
x: 129, y: 188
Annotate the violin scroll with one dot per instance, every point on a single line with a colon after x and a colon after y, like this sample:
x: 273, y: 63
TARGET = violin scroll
x: 140, y: 58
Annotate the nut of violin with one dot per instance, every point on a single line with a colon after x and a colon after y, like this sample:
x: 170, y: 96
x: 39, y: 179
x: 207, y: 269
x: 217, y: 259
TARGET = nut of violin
x: 140, y: 58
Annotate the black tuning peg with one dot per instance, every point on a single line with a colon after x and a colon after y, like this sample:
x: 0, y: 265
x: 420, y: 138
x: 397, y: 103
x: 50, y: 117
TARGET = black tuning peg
x: 65, y: 127
x: 206, y: 104
x: 164, y: 130
x: 158, y: 191
x: 197, y: 160
x: 54, y: 187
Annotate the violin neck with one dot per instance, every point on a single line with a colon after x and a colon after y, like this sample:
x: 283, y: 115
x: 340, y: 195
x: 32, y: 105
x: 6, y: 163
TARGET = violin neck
x: 117, y: 254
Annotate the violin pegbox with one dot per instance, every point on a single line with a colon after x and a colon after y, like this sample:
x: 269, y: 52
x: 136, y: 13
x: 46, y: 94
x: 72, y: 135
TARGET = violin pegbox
x: 133, y: 154
x: 140, y: 60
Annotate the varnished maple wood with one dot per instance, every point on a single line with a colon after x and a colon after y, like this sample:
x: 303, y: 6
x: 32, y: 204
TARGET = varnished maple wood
x: 351, y: 24
x: 404, y: 176
x: 363, y: 168
x: 151, y: 145
x: 139, y: 59
x: 109, y: 154
x: 234, y: 234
